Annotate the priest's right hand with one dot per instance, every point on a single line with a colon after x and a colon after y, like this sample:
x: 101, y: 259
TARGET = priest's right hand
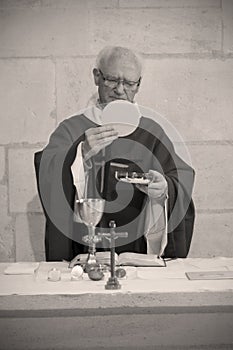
x: 97, y: 139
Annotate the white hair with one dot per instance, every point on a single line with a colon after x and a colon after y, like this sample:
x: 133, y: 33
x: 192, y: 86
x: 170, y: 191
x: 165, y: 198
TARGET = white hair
x: 109, y: 52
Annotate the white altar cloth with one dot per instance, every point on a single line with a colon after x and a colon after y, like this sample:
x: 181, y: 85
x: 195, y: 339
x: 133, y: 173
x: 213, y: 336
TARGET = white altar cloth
x: 139, y: 280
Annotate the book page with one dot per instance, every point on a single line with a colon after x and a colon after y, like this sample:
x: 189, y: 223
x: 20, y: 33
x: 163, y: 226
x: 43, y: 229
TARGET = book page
x: 101, y: 257
x: 105, y: 257
x: 128, y: 258
x: 137, y: 259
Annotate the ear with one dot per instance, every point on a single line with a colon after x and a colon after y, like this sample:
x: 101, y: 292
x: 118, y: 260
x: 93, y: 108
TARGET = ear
x: 96, y: 75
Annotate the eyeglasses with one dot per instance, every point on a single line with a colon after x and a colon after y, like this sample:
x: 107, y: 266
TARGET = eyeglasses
x: 113, y: 82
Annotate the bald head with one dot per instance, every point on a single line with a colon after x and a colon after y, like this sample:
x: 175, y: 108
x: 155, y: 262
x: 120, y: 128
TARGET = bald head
x: 111, y: 54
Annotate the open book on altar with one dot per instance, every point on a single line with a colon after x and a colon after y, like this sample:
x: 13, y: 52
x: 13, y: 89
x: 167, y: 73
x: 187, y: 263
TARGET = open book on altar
x: 126, y: 259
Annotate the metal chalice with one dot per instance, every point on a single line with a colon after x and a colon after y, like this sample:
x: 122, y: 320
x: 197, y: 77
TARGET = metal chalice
x: 90, y: 211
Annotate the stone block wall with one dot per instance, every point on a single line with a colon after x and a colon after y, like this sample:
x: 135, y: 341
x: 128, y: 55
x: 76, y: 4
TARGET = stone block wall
x: 47, y: 52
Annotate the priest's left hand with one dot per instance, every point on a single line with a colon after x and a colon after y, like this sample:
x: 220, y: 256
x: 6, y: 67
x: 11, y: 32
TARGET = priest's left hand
x: 157, y: 187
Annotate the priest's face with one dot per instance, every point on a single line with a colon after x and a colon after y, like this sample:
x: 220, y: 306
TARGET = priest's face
x: 119, y: 79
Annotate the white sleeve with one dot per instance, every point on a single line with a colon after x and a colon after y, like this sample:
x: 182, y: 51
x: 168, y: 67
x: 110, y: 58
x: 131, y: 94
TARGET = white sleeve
x: 156, y: 226
x: 78, y: 173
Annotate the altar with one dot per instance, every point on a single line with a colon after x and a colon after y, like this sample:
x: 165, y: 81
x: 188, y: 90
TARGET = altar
x: 186, y: 305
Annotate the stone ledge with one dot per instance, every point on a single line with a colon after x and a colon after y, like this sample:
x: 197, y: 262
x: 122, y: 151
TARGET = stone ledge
x: 160, y: 302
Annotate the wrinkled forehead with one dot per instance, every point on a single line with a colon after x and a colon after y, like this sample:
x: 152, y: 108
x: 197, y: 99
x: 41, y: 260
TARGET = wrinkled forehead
x: 126, y: 67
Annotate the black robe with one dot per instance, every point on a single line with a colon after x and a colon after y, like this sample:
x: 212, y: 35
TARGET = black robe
x: 148, y: 147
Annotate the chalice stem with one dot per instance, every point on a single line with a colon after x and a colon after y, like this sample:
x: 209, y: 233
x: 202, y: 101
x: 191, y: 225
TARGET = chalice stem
x: 91, y: 231
x: 91, y: 235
